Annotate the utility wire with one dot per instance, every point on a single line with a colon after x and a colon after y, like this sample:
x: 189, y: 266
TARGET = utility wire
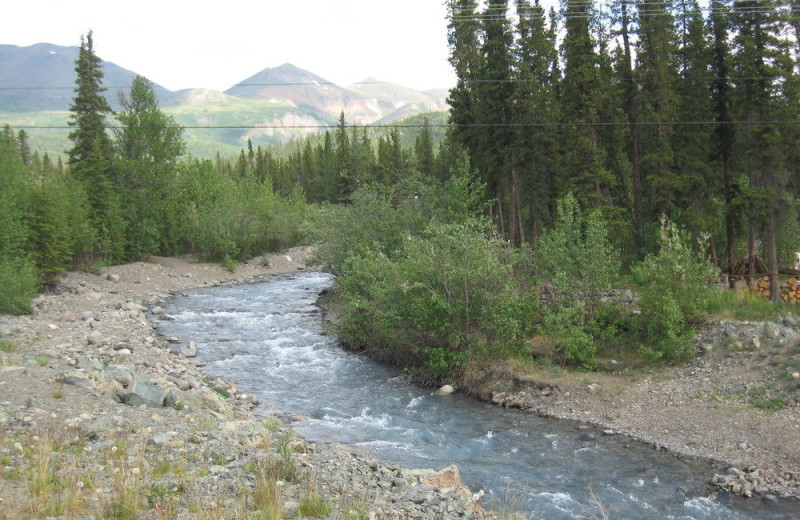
x: 443, y: 125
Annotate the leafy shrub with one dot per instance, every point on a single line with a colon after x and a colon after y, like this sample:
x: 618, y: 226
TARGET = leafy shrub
x: 237, y: 218
x: 578, y: 264
x: 19, y: 283
x: 380, y: 217
x: 444, y: 295
x: 675, y: 291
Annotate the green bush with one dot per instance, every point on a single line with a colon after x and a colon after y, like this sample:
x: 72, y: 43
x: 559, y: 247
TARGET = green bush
x: 578, y: 265
x: 237, y: 218
x: 19, y: 283
x: 444, y: 297
x: 380, y: 217
x: 675, y: 287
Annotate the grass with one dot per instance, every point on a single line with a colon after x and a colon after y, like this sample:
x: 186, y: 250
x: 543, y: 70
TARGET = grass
x: 229, y: 264
x: 313, y: 506
x: 8, y: 347
x: 745, y: 305
x: 223, y: 392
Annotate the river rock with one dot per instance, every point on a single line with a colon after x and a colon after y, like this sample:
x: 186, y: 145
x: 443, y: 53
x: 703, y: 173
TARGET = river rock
x: 190, y: 350
x: 147, y: 393
x: 445, y: 390
x: 122, y: 375
x: 94, y: 338
x: 449, y: 477
x: 112, y: 278
x: 87, y: 363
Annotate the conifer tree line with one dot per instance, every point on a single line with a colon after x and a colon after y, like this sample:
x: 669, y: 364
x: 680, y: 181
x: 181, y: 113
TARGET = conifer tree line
x: 127, y: 191
x: 640, y: 109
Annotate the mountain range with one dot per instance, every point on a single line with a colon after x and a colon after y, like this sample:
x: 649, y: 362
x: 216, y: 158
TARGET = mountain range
x: 276, y: 104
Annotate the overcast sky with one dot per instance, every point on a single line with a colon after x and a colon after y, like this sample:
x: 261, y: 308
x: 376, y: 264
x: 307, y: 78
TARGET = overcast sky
x: 182, y: 44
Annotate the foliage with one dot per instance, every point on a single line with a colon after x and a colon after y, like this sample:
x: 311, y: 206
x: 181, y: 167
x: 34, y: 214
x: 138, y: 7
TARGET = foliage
x: 435, y: 304
x: 379, y: 217
x: 91, y: 156
x: 579, y: 266
x: 675, y: 286
x: 19, y: 283
x: 225, y: 217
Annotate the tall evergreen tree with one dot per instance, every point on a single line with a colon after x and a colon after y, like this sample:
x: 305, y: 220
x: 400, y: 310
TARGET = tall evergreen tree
x: 656, y: 74
x: 583, y: 159
x: 90, y: 158
x: 724, y: 130
x: 535, y: 151
x: 464, y: 38
x: 423, y: 149
x: 691, y: 142
x: 762, y: 67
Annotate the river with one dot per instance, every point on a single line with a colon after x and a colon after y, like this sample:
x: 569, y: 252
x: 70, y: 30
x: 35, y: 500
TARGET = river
x: 267, y: 338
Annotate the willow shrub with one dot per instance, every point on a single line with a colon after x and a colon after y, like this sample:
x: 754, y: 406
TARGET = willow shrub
x: 676, y: 287
x: 579, y: 265
x: 439, y: 302
x: 380, y: 217
x: 237, y: 218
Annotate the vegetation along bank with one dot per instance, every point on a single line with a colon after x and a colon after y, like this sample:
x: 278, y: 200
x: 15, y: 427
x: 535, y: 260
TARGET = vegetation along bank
x: 580, y: 222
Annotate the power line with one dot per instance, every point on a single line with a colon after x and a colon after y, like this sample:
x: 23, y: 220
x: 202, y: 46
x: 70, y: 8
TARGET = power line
x: 443, y: 125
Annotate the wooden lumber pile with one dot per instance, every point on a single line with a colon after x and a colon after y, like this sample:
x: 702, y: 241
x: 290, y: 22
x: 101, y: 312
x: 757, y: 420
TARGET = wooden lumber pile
x: 790, y: 290
x: 741, y: 266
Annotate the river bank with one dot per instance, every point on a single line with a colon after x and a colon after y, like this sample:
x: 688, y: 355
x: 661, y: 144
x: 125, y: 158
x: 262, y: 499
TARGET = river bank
x: 72, y: 382
x: 102, y: 418
x: 720, y: 406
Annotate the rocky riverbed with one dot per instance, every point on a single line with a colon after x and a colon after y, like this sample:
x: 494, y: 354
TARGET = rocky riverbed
x: 102, y: 418
x: 737, y: 403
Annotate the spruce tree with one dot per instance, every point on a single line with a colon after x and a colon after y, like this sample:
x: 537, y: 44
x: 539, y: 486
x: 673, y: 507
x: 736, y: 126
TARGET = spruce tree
x: 535, y: 151
x: 691, y: 142
x: 90, y: 158
x: 656, y: 73
x: 582, y: 170
x: 763, y: 67
x: 722, y: 141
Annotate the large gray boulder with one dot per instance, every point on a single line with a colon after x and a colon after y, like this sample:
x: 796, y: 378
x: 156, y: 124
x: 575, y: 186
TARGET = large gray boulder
x: 147, y: 393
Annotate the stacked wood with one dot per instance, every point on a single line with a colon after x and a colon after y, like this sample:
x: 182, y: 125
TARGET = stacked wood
x: 790, y: 290
x: 762, y: 287
x: 741, y: 267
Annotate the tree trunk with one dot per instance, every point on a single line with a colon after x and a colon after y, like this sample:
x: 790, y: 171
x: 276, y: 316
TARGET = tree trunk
x: 751, y: 256
x: 772, y: 255
x: 635, y: 153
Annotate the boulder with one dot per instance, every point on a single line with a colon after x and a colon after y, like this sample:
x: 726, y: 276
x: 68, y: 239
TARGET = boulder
x: 449, y: 477
x: 147, y: 393
x: 445, y: 390
x: 120, y: 374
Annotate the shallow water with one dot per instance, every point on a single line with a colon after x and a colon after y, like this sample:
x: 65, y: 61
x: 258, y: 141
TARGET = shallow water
x: 268, y: 340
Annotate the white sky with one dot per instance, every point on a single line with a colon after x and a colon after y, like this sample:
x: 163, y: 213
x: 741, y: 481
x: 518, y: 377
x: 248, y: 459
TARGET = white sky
x: 215, y: 44
x: 186, y: 44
